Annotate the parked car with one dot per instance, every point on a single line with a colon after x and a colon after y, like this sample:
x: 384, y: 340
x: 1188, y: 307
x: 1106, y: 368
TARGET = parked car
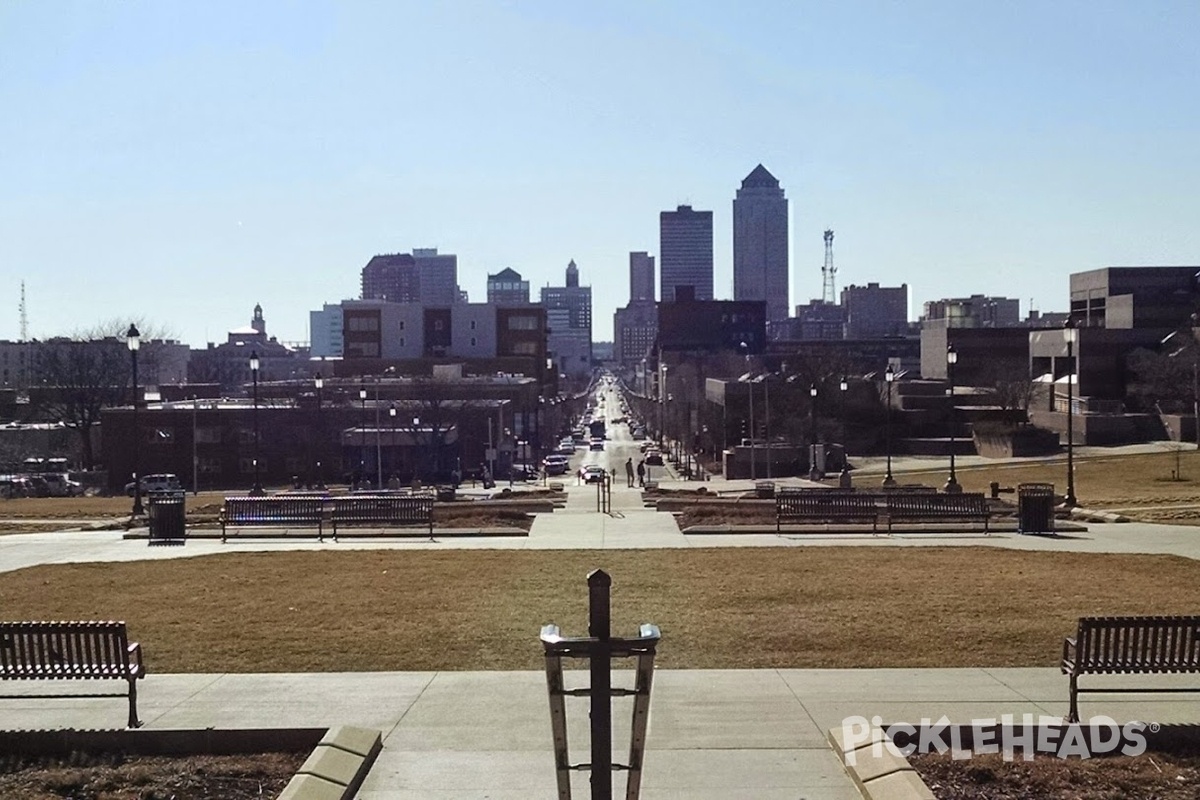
x: 522, y: 472
x: 162, y: 482
x: 654, y: 458
x: 61, y: 485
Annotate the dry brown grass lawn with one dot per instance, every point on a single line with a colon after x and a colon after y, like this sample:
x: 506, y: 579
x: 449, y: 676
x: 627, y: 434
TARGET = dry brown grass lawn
x: 718, y: 608
x: 1102, y: 481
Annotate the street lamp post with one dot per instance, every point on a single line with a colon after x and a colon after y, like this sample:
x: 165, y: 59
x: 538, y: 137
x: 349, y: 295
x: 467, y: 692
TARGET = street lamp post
x: 134, y: 340
x: 889, y: 377
x: 814, y: 474
x: 362, y: 441
x: 952, y: 485
x: 662, y: 397
x: 1071, y: 334
x: 257, y: 489
x: 392, y: 437
x: 844, y: 480
x: 319, y: 383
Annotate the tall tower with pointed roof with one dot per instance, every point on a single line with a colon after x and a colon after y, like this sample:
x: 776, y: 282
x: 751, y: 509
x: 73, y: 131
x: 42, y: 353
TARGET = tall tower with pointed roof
x: 257, y: 321
x: 760, y: 243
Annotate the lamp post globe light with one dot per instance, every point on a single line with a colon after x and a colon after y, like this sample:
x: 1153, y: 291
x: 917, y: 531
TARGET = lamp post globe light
x: 814, y: 474
x: 952, y: 485
x: 319, y: 383
x: 257, y: 489
x: 134, y: 340
x: 392, y: 441
x: 889, y: 377
x: 1071, y: 334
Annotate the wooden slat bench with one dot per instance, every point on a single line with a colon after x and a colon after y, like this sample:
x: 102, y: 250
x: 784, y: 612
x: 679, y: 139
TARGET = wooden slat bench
x: 906, y: 507
x: 1113, y: 645
x: 278, y: 511
x: 383, y: 510
x: 71, y: 650
x: 821, y: 506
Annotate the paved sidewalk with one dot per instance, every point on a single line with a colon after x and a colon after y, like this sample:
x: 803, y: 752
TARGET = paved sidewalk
x: 713, y: 733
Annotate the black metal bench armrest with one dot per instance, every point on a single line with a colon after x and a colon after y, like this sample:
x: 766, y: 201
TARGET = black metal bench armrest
x: 1068, y: 660
x: 135, y: 658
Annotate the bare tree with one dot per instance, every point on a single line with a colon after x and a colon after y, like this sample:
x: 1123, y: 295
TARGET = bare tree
x: 75, y: 377
x: 76, y: 380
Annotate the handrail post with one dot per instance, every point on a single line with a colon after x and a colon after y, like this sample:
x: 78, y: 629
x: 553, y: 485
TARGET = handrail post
x: 599, y: 627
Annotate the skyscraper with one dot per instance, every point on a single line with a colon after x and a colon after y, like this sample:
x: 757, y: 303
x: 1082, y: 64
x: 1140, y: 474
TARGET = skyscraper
x: 760, y: 243
x: 569, y: 317
x: 641, y: 276
x: 686, y: 253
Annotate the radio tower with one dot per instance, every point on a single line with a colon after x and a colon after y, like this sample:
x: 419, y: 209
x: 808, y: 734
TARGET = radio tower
x: 24, y: 316
x: 829, y: 272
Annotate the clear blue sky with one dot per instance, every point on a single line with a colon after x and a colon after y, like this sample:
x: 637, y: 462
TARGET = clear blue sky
x: 181, y: 161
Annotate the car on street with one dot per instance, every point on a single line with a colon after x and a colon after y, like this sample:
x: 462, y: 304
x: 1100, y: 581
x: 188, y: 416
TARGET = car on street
x: 556, y: 465
x: 597, y: 444
x: 162, y: 482
x: 592, y: 473
x: 654, y: 458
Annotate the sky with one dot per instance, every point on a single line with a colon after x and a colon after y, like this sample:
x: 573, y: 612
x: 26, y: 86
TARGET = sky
x: 178, y: 162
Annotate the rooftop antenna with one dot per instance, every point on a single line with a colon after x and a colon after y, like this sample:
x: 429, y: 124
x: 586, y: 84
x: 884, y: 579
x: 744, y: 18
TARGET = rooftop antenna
x: 24, y: 316
x: 829, y: 271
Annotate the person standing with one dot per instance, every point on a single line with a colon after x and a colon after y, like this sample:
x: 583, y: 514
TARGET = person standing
x: 641, y: 473
x: 629, y: 472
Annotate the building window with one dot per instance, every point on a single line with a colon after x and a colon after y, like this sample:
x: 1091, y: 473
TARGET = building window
x: 401, y: 324
x: 524, y: 349
x: 363, y: 324
x: 472, y: 327
x: 472, y: 341
x: 402, y: 341
x: 208, y: 435
x: 518, y: 323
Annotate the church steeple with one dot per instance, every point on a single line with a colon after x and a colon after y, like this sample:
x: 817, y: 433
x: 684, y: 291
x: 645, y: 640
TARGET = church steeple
x: 572, y: 274
x: 257, y: 322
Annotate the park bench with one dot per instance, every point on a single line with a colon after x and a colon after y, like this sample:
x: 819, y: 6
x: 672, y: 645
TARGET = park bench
x: 1116, y: 645
x: 819, y: 506
x: 908, y: 507
x: 71, y: 650
x: 383, y: 510
x: 276, y: 511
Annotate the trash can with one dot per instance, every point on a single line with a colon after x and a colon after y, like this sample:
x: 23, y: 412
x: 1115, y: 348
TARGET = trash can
x: 1035, y: 507
x: 166, y: 515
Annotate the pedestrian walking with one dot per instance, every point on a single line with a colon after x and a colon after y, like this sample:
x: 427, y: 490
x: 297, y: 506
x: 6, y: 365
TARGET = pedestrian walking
x: 641, y: 473
x: 629, y: 472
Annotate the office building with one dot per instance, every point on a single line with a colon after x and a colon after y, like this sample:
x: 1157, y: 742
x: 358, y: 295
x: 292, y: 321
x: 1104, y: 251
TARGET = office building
x: 325, y: 331
x: 685, y: 253
x: 976, y: 311
x: 875, y: 310
x: 760, y: 243
x: 506, y: 288
x: 635, y: 329
x: 641, y: 276
x: 1134, y: 297
x: 424, y: 276
x: 569, y: 316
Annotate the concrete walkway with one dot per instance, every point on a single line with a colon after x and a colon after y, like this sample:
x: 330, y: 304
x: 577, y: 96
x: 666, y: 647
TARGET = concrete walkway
x: 712, y: 733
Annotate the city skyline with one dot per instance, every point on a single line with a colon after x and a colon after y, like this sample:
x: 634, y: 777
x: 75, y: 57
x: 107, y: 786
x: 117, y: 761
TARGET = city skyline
x: 180, y: 163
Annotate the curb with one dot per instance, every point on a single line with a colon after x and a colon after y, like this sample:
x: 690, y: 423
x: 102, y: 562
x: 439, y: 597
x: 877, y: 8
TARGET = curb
x: 881, y: 775
x: 337, y: 766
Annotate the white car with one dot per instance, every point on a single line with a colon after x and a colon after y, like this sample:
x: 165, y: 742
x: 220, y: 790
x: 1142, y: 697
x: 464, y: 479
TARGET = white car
x: 163, y: 482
